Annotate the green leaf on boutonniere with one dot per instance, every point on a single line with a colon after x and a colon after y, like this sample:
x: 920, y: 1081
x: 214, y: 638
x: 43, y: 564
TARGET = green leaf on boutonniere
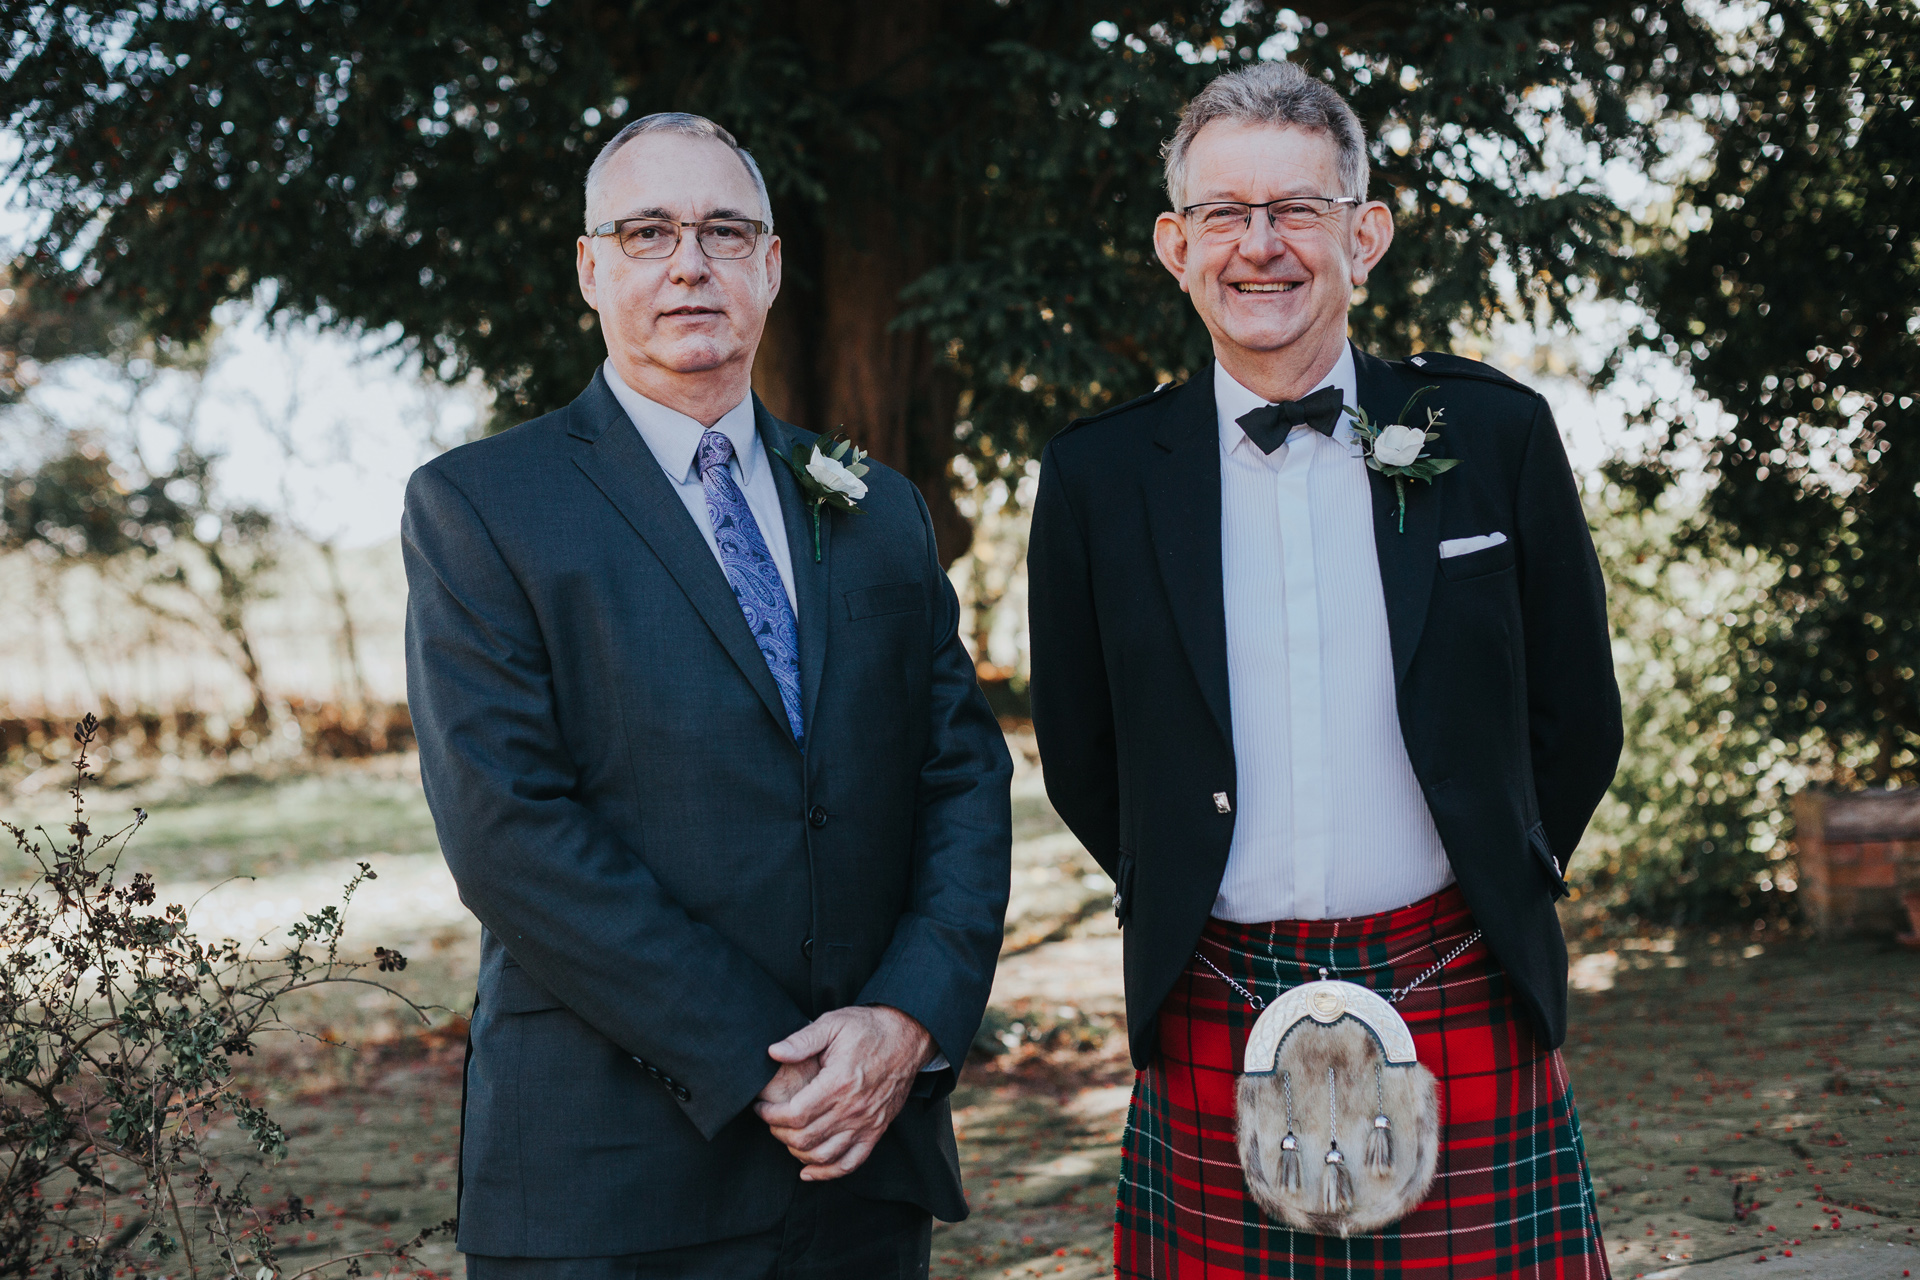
x: 1397, y: 450
x: 829, y: 473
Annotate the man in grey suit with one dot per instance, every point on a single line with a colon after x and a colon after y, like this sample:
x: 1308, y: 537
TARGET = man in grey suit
x: 726, y: 799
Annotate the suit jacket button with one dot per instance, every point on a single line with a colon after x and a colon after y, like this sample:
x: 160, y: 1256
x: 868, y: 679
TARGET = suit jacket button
x: 683, y: 1093
x: 806, y: 948
x: 817, y: 816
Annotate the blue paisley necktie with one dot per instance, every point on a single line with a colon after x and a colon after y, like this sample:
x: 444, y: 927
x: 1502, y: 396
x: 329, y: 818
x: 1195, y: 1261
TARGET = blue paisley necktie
x: 751, y: 572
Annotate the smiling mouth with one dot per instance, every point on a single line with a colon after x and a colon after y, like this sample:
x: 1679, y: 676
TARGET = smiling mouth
x: 692, y: 311
x: 1251, y: 286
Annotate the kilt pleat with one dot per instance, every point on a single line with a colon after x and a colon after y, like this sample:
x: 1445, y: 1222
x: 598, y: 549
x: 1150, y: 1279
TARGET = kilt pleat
x: 1512, y: 1197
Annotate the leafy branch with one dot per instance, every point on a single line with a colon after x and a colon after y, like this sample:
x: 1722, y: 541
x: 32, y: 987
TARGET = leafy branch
x: 119, y: 1028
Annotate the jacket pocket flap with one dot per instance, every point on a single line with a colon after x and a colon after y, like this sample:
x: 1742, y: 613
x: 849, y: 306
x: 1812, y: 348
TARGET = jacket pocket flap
x: 515, y: 991
x: 894, y: 597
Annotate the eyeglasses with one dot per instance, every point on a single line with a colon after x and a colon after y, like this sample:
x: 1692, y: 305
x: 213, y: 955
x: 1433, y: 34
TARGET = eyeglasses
x: 660, y: 237
x: 1229, y: 219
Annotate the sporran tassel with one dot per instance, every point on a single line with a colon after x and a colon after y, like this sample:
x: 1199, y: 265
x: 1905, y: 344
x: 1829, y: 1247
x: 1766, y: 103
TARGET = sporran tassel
x: 1378, y: 1159
x: 1379, y: 1156
x: 1336, y: 1186
x: 1336, y: 1183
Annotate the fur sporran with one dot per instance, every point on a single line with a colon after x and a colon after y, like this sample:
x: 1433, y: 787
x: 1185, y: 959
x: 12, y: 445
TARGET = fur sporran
x: 1338, y: 1123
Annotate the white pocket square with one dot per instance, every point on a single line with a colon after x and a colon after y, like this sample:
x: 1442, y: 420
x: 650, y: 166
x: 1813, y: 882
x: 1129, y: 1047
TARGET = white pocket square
x: 1463, y: 546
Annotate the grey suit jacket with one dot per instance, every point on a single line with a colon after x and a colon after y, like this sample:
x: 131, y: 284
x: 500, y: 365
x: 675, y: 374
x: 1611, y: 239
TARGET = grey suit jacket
x: 667, y: 884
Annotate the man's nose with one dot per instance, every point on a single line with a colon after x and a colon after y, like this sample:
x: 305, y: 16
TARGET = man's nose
x: 1260, y: 243
x: 689, y: 263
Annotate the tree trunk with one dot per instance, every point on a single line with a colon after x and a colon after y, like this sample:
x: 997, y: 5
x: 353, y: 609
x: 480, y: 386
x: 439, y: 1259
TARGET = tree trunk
x: 349, y: 639
x: 830, y: 361
x: 235, y: 589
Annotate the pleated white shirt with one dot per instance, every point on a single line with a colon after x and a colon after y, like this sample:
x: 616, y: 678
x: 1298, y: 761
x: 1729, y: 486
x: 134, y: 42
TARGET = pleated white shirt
x: 1330, y: 820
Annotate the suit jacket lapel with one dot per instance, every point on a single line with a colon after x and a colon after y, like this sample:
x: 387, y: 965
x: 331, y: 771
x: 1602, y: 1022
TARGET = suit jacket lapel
x: 1183, y: 512
x: 810, y: 579
x: 621, y: 466
x: 1407, y: 559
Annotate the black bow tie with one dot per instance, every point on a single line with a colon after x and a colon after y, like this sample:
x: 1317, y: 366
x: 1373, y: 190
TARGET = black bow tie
x: 1270, y: 424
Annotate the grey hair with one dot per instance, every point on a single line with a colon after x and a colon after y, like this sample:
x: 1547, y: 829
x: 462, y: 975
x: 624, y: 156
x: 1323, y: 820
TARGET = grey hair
x: 688, y: 125
x: 1276, y: 93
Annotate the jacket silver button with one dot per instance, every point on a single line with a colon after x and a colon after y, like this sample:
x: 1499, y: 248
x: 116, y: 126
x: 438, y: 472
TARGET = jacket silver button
x: 1221, y: 803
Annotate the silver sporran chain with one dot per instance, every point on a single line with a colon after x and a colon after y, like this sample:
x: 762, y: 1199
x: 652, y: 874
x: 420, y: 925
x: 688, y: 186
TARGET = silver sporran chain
x: 1395, y: 997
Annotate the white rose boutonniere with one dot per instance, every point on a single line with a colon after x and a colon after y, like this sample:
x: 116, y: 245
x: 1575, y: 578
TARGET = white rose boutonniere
x: 829, y: 473
x: 1395, y: 449
x: 1397, y: 446
x: 836, y: 475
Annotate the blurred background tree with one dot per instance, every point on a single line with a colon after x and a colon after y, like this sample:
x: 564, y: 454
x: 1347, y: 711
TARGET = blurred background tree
x: 158, y: 530
x: 965, y: 187
x: 1785, y: 284
x: 1696, y: 827
x: 966, y: 190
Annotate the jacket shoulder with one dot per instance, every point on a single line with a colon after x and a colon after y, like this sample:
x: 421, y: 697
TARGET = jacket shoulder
x: 516, y: 445
x: 1445, y: 364
x: 1154, y: 397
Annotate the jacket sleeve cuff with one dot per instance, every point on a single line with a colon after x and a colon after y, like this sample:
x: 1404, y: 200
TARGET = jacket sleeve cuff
x: 713, y: 1103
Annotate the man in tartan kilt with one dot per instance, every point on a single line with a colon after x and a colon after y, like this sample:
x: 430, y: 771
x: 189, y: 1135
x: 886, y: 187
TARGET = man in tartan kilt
x: 1321, y: 677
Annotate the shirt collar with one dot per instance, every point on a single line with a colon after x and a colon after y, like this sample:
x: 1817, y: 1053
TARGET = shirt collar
x: 1232, y: 401
x: 675, y: 438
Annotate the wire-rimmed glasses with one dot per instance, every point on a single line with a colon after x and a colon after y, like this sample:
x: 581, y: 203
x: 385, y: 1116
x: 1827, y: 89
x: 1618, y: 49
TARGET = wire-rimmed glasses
x: 1229, y: 219
x: 722, y: 238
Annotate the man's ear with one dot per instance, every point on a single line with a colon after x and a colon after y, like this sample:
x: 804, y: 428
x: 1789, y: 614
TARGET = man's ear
x: 583, y: 266
x: 773, y: 268
x: 1170, y: 245
x: 1372, y: 233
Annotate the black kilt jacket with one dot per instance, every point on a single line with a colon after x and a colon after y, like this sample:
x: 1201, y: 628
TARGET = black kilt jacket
x: 1501, y: 662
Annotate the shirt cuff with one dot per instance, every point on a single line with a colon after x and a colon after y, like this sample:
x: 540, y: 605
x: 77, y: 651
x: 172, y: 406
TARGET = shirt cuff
x: 939, y: 1063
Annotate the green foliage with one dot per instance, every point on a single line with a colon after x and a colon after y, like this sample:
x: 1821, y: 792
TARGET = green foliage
x: 120, y: 1027
x: 42, y: 322
x: 1786, y: 287
x: 78, y: 505
x: 1051, y: 301
x: 1694, y: 829
x: 418, y: 165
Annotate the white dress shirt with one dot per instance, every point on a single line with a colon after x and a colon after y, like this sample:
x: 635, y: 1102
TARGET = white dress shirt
x: 674, y: 439
x: 1330, y: 820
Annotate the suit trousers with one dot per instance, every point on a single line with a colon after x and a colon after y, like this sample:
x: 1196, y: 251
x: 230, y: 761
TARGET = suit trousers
x: 828, y: 1233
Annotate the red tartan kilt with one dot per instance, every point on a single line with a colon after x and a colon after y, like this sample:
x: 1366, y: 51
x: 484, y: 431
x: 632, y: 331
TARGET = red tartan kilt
x: 1512, y: 1196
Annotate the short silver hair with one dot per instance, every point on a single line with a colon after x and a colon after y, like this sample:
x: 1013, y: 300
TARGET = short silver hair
x: 1275, y: 93
x: 688, y: 125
